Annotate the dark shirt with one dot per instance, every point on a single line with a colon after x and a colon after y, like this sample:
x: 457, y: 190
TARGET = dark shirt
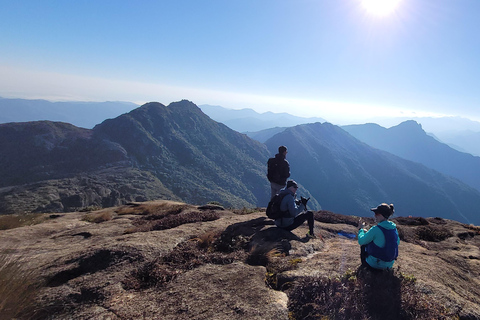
x: 281, y: 171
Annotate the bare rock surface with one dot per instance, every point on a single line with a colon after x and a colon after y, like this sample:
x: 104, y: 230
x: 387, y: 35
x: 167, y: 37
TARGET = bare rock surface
x: 131, y: 263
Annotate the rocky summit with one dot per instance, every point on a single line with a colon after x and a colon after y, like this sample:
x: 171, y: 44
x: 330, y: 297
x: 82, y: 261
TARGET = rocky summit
x: 171, y: 260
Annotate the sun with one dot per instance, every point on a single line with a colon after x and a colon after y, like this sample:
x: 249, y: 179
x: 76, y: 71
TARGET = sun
x: 380, y: 7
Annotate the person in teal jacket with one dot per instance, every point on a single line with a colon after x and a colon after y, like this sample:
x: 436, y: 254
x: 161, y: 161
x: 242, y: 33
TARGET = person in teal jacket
x: 379, y: 245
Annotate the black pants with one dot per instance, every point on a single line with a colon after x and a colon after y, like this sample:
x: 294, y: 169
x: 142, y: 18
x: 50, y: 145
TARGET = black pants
x: 363, y: 256
x: 308, y: 216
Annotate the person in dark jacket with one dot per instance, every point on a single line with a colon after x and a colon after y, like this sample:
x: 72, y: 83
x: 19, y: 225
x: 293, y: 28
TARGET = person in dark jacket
x: 379, y: 245
x: 278, y: 171
x: 296, y: 214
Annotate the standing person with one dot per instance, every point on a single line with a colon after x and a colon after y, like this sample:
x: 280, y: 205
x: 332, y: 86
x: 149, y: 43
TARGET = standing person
x: 379, y: 245
x: 278, y: 171
x: 295, y: 215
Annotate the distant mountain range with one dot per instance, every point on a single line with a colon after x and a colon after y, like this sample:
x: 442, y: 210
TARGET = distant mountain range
x: 178, y: 152
x: 248, y: 120
x: 80, y: 114
x: 409, y: 141
x: 459, y: 133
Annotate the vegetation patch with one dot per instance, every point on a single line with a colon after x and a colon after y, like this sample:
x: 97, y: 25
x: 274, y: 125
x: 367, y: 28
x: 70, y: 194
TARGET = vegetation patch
x: 153, y: 209
x: 186, y: 256
x: 335, y: 218
x: 98, y: 217
x: 433, y: 233
x: 411, y: 221
x: 475, y: 229
x: 233, y: 244
x: 363, y: 295
x: 12, y: 221
x: 165, y: 215
x: 172, y: 220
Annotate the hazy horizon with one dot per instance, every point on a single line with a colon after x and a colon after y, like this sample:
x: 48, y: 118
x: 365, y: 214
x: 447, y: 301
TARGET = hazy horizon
x: 338, y: 60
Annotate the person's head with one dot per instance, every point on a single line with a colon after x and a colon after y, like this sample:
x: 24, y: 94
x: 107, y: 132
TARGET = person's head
x: 383, y: 211
x: 282, y: 150
x: 292, y: 186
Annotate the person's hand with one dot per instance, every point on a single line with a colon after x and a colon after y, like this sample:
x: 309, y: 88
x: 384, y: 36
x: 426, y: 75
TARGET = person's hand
x: 298, y: 202
x: 362, y: 224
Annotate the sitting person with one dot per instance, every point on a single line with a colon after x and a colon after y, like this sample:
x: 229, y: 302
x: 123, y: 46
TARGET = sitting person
x: 295, y: 214
x: 379, y: 245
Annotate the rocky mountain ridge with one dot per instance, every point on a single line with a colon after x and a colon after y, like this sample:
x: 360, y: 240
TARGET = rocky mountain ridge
x: 178, y: 147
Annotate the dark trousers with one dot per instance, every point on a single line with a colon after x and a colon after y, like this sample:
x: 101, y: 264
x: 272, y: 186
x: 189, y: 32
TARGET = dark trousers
x: 301, y: 218
x: 363, y: 256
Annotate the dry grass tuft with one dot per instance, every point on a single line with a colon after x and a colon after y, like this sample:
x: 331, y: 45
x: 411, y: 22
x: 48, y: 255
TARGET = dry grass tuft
x: 476, y: 229
x: 161, y: 215
x: 206, y: 240
x: 153, y: 208
x: 18, y: 289
x: 12, y: 221
x: 98, y: 217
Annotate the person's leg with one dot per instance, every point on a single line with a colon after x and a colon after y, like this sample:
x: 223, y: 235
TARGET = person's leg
x: 363, y: 256
x: 310, y: 221
x: 301, y: 218
x: 274, y: 189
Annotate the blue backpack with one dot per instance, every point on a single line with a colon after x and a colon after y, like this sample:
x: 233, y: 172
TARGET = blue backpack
x: 390, y: 251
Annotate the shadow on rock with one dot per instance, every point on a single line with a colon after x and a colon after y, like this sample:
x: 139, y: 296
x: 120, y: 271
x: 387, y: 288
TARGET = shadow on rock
x: 382, y: 293
x: 256, y: 238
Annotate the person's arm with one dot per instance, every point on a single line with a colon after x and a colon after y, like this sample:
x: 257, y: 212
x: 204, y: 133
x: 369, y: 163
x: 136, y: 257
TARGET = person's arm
x: 289, y: 203
x: 365, y: 237
x: 285, y: 169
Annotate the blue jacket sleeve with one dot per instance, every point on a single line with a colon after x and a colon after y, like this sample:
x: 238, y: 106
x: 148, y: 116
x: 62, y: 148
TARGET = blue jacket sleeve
x: 288, y: 203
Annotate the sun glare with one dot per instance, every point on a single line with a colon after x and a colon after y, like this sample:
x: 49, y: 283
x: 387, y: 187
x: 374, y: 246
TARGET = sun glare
x: 380, y: 7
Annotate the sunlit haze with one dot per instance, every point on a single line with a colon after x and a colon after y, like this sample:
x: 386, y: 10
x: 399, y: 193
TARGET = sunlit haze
x: 380, y: 7
x: 345, y: 61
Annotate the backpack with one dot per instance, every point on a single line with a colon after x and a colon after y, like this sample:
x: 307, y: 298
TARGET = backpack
x: 390, y: 251
x: 272, y: 171
x: 273, y: 208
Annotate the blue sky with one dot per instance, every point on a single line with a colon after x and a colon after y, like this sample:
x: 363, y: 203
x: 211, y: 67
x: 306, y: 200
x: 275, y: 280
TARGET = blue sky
x: 327, y: 58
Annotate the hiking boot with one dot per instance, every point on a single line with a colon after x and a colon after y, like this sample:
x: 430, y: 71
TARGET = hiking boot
x: 311, y: 235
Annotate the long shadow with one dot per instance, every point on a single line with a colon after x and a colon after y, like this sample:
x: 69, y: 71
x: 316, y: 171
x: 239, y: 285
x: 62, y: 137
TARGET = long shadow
x: 382, y: 292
